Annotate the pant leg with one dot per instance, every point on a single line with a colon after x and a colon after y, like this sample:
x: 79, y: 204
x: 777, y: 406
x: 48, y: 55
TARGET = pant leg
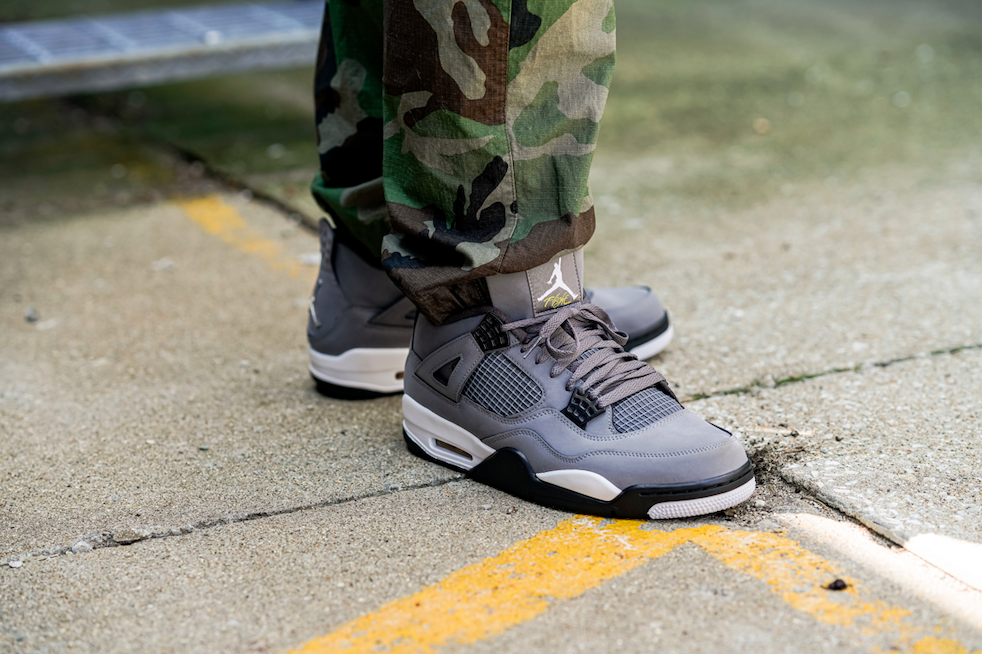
x: 348, y: 114
x: 491, y: 110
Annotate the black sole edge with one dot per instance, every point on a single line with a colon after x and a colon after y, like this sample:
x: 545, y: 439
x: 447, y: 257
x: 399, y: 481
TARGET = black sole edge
x: 640, y: 339
x: 333, y: 391
x: 508, y: 470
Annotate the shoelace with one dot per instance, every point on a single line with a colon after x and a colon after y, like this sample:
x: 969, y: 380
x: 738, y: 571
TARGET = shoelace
x: 607, y: 373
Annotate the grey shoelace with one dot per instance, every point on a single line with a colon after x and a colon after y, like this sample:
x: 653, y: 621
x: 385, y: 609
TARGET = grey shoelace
x: 607, y: 373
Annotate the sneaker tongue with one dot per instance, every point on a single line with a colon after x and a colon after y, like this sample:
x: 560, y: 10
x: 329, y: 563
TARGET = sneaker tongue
x: 531, y: 293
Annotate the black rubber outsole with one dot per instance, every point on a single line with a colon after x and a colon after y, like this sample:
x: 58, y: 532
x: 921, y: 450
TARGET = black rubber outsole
x: 508, y: 470
x: 640, y: 339
x: 327, y: 389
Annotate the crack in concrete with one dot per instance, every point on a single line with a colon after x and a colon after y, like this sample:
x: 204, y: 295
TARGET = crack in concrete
x: 188, y: 156
x: 234, y: 183
x: 132, y: 535
x: 827, y: 499
x: 795, y: 379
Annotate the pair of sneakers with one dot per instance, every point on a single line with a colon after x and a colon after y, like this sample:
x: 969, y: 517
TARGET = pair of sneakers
x: 538, y: 394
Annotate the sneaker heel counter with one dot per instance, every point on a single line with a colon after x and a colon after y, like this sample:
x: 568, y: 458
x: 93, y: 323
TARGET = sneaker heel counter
x: 327, y: 304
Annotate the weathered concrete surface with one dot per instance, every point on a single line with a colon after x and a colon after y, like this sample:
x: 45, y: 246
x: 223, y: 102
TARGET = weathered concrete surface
x: 897, y: 447
x: 155, y: 319
x: 842, y: 230
x: 825, y: 279
x: 164, y: 382
x: 262, y: 585
x: 116, y: 444
x: 275, y: 583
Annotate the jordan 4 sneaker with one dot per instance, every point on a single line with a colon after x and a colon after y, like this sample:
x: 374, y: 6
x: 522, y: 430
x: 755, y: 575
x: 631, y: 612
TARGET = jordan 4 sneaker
x: 547, y: 404
x: 360, y: 323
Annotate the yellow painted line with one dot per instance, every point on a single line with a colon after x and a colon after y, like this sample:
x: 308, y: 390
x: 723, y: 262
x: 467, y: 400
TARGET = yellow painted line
x: 932, y: 645
x: 220, y: 219
x: 798, y: 576
x: 517, y: 585
x: 487, y: 598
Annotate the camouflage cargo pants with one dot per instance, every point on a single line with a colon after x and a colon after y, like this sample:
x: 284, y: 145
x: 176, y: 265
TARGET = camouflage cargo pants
x: 456, y: 136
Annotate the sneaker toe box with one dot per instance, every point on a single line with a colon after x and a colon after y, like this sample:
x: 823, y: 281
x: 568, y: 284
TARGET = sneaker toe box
x: 681, y: 449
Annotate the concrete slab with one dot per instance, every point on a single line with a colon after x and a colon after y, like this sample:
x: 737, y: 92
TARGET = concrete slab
x: 163, y: 382
x: 278, y: 582
x: 86, y: 153
x: 56, y: 159
x: 262, y: 585
x: 828, y: 278
x: 897, y: 447
x: 904, y: 568
x: 684, y: 602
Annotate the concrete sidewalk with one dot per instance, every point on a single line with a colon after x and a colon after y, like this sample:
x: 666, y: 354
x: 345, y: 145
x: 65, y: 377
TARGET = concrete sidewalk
x: 799, y: 181
x: 172, y: 482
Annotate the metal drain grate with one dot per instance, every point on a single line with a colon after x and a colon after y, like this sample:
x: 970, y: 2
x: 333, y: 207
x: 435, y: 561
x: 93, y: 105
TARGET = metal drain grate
x: 57, y: 57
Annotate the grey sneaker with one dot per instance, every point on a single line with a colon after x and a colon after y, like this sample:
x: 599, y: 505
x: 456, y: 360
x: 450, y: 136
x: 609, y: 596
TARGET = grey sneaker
x: 546, y: 404
x: 360, y: 324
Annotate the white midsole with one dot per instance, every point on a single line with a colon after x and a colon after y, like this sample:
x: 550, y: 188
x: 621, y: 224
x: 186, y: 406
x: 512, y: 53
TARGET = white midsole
x: 583, y: 482
x: 655, y: 345
x: 425, y: 428
x: 368, y: 368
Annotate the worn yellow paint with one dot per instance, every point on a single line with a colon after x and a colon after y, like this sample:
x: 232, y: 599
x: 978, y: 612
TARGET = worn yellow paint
x: 513, y: 587
x: 520, y: 583
x: 932, y: 645
x: 799, y: 576
x: 219, y: 218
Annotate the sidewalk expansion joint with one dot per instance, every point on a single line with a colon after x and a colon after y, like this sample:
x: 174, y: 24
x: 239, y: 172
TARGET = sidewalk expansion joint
x: 130, y: 536
x: 234, y: 183
x: 206, y: 169
x: 770, y: 384
x: 769, y: 462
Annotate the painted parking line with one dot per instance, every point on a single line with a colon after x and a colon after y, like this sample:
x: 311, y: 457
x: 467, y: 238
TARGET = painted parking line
x: 520, y: 583
x: 219, y: 218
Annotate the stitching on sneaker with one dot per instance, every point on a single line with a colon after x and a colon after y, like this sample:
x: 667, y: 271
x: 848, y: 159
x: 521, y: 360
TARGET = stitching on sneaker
x: 565, y: 458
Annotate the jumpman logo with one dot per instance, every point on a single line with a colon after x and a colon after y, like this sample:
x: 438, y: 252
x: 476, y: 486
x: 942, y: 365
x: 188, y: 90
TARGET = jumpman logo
x: 557, y: 282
